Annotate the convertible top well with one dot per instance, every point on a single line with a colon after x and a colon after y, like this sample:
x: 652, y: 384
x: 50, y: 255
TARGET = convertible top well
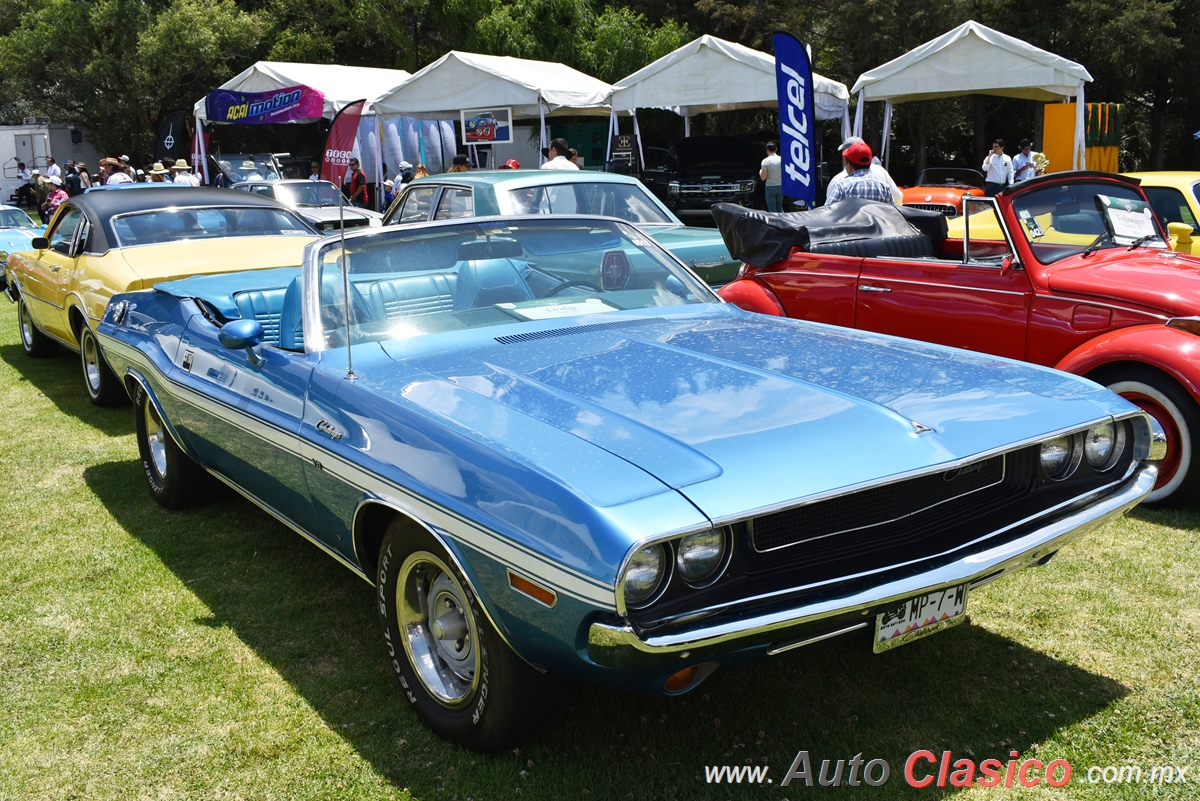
x: 851, y: 227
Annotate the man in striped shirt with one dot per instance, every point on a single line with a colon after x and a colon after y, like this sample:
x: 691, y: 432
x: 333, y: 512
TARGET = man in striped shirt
x: 859, y: 181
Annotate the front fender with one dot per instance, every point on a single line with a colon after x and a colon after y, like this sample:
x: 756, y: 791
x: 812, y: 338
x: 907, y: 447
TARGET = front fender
x: 752, y: 296
x: 1171, y: 350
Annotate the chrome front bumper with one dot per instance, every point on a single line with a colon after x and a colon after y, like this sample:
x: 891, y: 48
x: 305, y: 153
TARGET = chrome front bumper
x: 621, y: 646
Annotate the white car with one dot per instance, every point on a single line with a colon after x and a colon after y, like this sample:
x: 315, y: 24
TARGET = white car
x: 316, y: 201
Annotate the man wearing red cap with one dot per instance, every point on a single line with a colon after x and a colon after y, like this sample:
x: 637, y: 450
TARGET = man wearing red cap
x: 859, y: 182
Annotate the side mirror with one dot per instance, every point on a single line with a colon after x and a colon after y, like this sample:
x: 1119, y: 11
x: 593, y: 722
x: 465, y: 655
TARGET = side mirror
x: 40, y: 243
x: 1181, y: 234
x: 240, y: 334
x: 1009, y: 262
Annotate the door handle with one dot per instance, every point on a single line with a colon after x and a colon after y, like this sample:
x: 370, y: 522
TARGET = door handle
x: 55, y: 268
x: 865, y: 288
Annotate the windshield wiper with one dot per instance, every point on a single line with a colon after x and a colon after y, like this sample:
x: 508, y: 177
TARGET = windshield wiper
x: 1096, y: 243
x: 1141, y: 240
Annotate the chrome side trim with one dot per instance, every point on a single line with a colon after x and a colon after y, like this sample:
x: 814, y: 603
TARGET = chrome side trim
x: 615, y: 645
x: 888, y: 280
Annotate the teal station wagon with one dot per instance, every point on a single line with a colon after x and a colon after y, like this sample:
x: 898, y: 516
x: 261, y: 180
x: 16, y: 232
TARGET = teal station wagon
x: 485, y: 193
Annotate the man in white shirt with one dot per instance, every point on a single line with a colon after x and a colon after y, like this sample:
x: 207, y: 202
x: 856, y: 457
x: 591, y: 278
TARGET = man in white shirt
x: 52, y: 169
x: 997, y: 168
x: 314, y: 171
x: 558, y: 156
x: 181, y: 174
x: 23, y: 174
x: 1025, y: 163
x: 878, y: 171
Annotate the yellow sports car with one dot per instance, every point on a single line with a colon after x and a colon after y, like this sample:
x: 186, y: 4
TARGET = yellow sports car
x: 102, y: 243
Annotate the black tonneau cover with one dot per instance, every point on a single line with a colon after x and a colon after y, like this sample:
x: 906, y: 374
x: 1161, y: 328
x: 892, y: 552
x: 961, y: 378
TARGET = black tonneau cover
x: 761, y: 238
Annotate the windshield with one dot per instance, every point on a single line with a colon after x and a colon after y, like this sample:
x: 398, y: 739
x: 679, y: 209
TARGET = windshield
x: 15, y: 218
x: 308, y: 194
x: 174, y: 225
x: 951, y: 175
x: 406, y: 282
x: 1061, y: 221
x: 248, y: 166
x: 626, y: 201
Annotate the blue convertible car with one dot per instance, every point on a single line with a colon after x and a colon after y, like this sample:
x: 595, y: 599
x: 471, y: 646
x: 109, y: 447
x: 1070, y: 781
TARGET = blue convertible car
x: 555, y: 453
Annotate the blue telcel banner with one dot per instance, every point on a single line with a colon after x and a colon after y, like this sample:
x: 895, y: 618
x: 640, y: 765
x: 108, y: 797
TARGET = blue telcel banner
x: 797, y: 121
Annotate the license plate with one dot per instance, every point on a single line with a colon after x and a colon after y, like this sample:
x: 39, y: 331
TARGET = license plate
x: 919, y: 617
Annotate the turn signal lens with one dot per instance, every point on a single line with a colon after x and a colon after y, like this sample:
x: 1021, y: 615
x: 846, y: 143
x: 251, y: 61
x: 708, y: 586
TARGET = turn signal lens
x: 644, y: 574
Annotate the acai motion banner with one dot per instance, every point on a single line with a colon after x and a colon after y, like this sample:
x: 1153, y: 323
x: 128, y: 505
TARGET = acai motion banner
x: 797, y: 121
x: 290, y: 104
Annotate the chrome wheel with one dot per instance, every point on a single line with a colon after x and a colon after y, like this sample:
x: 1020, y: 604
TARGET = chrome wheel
x: 91, y: 361
x: 438, y: 629
x: 26, y: 326
x: 156, y: 439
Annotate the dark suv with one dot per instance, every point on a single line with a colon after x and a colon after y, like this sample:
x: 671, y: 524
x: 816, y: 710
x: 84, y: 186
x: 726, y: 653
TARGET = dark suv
x: 698, y: 171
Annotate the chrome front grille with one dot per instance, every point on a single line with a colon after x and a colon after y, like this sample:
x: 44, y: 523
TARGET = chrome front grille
x: 710, y: 189
x: 941, y: 208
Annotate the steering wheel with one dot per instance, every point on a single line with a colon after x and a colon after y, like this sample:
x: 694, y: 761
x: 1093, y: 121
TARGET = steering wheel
x: 568, y: 284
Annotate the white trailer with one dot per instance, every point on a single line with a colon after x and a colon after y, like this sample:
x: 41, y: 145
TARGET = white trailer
x: 33, y: 142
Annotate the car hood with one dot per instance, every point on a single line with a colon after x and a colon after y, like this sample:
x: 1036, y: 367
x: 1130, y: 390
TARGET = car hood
x: 738, y: 411
x: 1156, y: 279
x: 169, y: 261
x: 15, y: 239
x: 691, y: 244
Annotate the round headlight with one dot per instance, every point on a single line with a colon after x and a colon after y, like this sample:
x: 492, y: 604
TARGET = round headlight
x: 1103, y: 445
x: 644, y: 574
x: 699, y: 555
x: 1098, y: 445
x: 1056, y: 456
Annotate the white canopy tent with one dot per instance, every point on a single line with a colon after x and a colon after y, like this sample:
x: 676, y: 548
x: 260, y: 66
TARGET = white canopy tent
x: 974, y: 59
x: 340, y: 85
x: 711, y: 74
x: 532, y: 89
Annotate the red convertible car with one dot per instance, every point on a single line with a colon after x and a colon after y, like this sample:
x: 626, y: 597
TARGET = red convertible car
x: 1069, y: 270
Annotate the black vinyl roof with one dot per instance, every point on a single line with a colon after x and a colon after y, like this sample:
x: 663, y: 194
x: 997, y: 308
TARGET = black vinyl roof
x: 101, y: 207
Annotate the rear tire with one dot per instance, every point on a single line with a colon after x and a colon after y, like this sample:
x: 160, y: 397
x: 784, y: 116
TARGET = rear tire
x: 36, y: 344
x: 1174, y: 414
x: 175, y: 481
x: 98, y: 378
x: 461, y: 678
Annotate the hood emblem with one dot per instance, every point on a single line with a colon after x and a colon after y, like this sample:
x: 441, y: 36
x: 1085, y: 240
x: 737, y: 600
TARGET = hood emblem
x: 920, y: 429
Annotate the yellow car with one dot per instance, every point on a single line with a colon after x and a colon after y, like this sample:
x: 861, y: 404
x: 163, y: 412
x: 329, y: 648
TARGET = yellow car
x: 101, y: 243
x: 1175, y: 198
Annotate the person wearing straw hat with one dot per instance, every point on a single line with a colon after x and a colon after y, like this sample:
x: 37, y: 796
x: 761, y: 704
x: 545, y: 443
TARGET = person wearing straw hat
x: 114, y: 172
x: 249, y: 171
x: 182, y: 172
x: 158, y: 172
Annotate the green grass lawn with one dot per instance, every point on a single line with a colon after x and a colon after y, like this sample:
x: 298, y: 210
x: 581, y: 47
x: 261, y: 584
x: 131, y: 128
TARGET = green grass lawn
x: 214, y: 654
